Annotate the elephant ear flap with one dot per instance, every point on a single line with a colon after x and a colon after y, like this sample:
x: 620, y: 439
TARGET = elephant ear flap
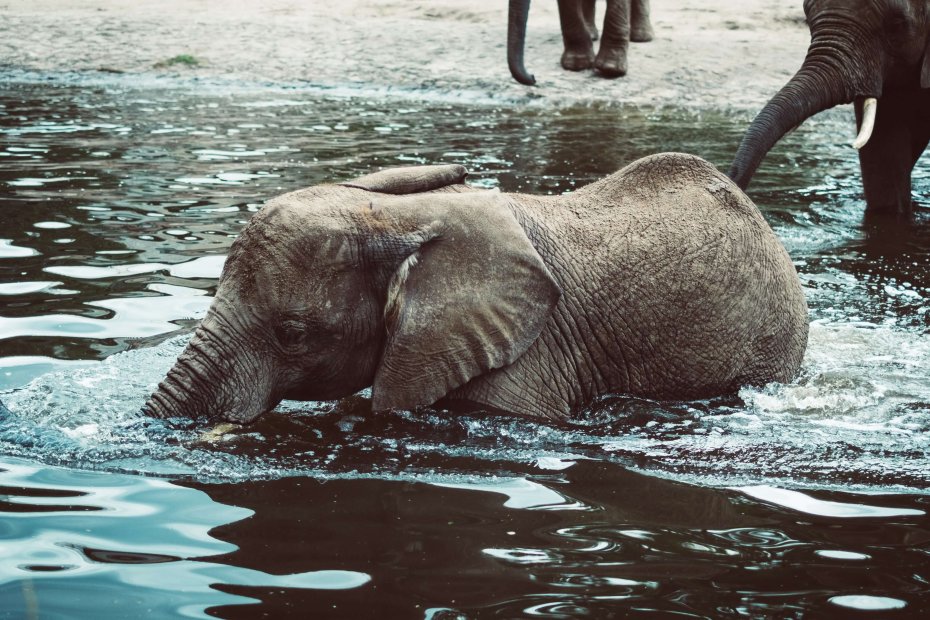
x: 410, y: 179
x: 472, y: 298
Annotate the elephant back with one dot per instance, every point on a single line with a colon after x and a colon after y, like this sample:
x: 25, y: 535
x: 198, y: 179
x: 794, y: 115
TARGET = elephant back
x: 661, y: 181
x: 706, y: 294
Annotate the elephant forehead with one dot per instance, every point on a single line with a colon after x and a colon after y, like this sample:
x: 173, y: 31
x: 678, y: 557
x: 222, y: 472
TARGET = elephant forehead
x: 278, y: 262
x: 288, y: 289
x: 288, y: 233
x: 295, y: 212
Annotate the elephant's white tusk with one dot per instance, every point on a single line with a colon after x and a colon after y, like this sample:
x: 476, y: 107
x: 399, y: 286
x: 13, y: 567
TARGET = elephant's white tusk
x: 869, y: 108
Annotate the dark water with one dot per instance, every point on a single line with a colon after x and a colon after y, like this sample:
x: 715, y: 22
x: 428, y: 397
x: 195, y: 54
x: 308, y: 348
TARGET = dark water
x: 118, y: 200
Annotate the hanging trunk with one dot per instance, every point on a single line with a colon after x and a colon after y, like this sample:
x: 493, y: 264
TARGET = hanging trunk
x: 190, y: 389
x: 211, y: 380
x: 516, y: 38
x: 832, y: 74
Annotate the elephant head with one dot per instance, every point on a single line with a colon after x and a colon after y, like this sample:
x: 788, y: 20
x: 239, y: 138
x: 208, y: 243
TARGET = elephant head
x: 860, y: 50
x: 335, y: 288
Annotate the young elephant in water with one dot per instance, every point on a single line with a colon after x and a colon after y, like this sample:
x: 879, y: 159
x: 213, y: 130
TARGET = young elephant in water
x: 662, y: 281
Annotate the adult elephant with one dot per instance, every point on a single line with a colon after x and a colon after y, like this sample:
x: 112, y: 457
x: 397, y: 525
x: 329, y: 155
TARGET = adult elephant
x: 873, y: 53
x: 662, y: 281
x: 624, y: 21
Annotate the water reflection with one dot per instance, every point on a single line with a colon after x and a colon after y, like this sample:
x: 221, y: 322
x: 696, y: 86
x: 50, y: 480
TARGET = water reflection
x: 637, y: 543
x: 148, y: 178
x: 118, y: 205
x: 802, y: 502
x: 69, y: 536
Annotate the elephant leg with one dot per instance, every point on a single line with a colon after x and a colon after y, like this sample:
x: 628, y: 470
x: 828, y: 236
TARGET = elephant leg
x: 920, y: 137
x: 615, y: 40
x: 918, y: 145
x: 579, y: 53
x: 590, y: 23
x: 900, y: 136
x: 641, y: 26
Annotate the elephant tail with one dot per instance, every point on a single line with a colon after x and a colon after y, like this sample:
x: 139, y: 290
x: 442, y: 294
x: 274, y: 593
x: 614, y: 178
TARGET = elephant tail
x: 516, y: 38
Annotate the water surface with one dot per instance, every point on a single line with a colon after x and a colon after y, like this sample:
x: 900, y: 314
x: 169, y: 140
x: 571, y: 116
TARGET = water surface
x: 118, y: 201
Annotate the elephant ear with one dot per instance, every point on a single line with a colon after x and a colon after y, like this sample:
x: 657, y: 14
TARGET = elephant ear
x: 410, y: 179
x: 473, y: 296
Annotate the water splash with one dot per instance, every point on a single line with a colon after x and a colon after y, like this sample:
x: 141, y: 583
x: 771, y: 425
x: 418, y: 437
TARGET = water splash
x: 858, y: 416
x: 150, y: 191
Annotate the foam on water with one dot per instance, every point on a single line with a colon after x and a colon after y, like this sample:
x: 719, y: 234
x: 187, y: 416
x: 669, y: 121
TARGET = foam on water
x: 288, y: 95
x: 859, y: 416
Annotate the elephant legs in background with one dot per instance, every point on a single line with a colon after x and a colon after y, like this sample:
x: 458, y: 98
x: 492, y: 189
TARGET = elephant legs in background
x: 587, y: 14
x: 641, y: 26
x: 624, y: 21
x: 902, y: 131
x: 611, y: 57
x: 579, y: 52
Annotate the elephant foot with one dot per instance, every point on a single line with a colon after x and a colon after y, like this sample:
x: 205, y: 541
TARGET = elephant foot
x: 642, y: 34
x: 611, y: 63
x: 578, y: 60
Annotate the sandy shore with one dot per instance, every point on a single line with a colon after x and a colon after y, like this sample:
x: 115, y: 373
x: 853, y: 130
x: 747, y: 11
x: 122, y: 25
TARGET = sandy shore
x: 707, y: 52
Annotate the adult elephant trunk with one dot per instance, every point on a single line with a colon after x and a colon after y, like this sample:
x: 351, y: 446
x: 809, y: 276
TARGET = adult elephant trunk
x: 516, y: 38
x: 210, y: 380
x: 835, y: 71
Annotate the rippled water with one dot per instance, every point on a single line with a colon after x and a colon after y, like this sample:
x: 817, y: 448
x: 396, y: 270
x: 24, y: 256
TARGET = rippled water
x: 118, y: 200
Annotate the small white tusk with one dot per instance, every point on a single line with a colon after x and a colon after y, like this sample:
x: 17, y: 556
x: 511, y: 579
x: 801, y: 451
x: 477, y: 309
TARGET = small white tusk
x: 869, y: 108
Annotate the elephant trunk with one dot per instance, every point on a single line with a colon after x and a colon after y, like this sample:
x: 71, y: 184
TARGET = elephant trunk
x: 189, y: 389
x: 516, y: 38
x: 836, y: 71
x: 176, y: 396
x: 210, y: 381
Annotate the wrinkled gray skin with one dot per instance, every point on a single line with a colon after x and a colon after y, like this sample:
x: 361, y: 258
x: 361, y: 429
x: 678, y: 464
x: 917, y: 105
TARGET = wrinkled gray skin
x: 859, y: 49
x: 661, y: 280
x: 624, y: 21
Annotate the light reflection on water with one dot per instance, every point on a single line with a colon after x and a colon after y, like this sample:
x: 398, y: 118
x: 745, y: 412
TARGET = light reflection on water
x: 118, y: 205
x: 152, y: 186
x: 114, y: 533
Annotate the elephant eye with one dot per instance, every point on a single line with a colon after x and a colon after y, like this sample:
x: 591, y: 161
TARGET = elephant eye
x: 290, y: 333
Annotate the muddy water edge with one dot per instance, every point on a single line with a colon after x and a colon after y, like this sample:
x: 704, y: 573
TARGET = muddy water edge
x: 118, y: 200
